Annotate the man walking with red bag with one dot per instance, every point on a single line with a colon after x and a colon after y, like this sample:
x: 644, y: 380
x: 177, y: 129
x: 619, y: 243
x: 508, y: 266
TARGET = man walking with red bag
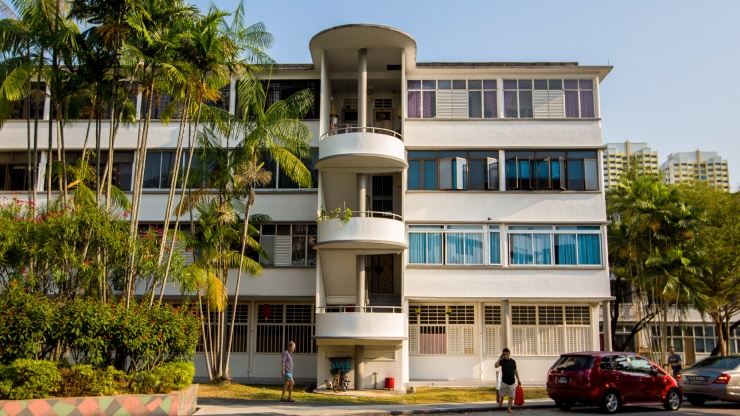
x: 509, y: 376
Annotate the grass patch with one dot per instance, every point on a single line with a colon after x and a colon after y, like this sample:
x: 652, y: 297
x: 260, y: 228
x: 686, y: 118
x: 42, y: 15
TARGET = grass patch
x: 423, y: 395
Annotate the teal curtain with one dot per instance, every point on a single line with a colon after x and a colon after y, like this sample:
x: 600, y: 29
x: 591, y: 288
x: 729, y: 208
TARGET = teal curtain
x: 417, y: 248
x: 589, y: 249
x: 565, y: 249
x: 521, y: 249
x: 455, y: 248
x: 473, y: 248
x: 495, y: 247
x: 542, y: 250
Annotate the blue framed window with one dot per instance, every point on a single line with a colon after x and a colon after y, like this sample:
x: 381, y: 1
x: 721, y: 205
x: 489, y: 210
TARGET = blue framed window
x: 558, y: 246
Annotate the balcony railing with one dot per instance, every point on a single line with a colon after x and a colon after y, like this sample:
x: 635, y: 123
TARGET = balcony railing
x: 351, y: 129
x: 359, y: 309
x: 377, y: 214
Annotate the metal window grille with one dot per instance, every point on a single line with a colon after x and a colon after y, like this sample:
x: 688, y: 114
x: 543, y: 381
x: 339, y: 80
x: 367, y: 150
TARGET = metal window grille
x: 279, y: 324
x: 437, y: 329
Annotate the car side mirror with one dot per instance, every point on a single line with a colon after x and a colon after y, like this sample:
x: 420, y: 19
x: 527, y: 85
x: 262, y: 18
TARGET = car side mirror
x: 655, y: 373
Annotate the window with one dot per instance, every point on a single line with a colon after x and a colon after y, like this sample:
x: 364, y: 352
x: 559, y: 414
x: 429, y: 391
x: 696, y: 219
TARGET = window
x: 28, y: 109
x: 560, y: 245
x: 548, y: 98
x: 552, y: 170
x: 493, y: 330
x: 240, y: 342
x: 288, y: 245
x: 160, y: 165
x: 448, y: 170
x: 278, y: 324
x: 283, y: 88
x: 280, y: 180
x: 160, y: 103
x: 14, y: 173
x: 550, y: 330
x: 123, y: 162
x: 457, y: 98
x: 439, y: 329
x: 451, y: 244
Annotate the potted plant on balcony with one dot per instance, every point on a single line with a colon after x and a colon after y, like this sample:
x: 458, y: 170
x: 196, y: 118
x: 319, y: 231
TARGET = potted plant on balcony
x: 342, y: 213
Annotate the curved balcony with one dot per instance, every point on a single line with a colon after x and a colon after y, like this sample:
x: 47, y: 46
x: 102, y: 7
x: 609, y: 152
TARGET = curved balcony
x: 362, y: 149
x: 366, y: 230
x: 371, y: 324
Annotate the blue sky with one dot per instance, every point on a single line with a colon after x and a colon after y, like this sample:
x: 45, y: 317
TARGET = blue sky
x: 674, y: 85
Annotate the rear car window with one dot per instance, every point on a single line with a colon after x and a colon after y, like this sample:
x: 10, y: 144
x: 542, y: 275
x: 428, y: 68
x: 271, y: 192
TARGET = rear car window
x: 573, y: 362
x: 719, y: 362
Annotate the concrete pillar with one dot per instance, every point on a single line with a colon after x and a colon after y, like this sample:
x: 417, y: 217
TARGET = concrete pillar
x: 606, y: 318
x: 325, y: 95
x: 362, y: 87
x: 359, y: 366
x: 361, y: 301
x: 506, y: 323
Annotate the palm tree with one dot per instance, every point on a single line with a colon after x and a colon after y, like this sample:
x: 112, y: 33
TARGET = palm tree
x: 652, y: 244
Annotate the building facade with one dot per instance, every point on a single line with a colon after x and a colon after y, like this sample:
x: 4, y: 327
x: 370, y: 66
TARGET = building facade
x: 697, y: 166
x: 617, y: 157
x: 478, y: 217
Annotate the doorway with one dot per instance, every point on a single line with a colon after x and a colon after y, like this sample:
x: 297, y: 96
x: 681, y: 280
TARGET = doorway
x: 379, y: 274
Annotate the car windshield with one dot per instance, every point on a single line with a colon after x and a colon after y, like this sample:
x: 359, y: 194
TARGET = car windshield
x: 719, y: 362
x: 573, y: 362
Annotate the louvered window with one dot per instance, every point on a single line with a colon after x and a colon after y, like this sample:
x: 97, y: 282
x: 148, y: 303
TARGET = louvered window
x: 457, y: 98
x: 550, y: 330
x: 437, y: 329
x: 549, y: 98
x: 288, y: 245
x: 493, y: 330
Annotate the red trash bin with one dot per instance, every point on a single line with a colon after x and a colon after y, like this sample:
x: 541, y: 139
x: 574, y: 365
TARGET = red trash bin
x: 390, y: 383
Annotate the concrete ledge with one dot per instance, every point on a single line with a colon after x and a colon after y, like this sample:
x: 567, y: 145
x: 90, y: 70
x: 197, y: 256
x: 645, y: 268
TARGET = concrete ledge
x: 176, y: 403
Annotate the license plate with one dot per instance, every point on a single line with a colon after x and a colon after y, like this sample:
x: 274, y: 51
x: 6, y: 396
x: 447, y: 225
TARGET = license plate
x: 697, y: 378
x: 562, y: 380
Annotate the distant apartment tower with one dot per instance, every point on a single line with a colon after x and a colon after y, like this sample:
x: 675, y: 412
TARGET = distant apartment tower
x: 618, y: 155
x: 697, y: 166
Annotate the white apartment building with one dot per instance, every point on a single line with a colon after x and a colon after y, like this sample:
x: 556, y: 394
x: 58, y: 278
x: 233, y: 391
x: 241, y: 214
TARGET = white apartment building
x: 618, y: 155
x: 477, y: 193
x: 697, y: 166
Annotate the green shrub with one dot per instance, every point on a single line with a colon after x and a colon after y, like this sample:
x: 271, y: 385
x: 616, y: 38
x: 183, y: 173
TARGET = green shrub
x: 171, y: 376
x: 30, y: 379
x: 83, y: 326
x: 25, y: 321
x: 85, y: 380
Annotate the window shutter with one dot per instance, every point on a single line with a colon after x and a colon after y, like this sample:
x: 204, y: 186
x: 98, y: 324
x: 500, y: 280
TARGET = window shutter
x: 452, y: 103
x: 541, y: 104
x: 454, y: 340
x: 413, y: 339
x: 282, y: 250
x: 494, y: 335
x: 557, y: 103
x: 549, y: 104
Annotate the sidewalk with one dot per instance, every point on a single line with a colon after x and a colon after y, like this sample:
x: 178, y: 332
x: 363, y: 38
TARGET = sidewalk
x: 255, y: 407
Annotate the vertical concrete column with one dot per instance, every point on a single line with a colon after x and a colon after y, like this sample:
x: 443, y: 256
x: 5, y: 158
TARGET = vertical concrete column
x: 359, y: 366
x: 606, y: 318
x: 325, y: 97
x: 361, y: 301
x: 361, y: 207
x: 362, y: 87
x: 506, y: 323
x: 232, y: 95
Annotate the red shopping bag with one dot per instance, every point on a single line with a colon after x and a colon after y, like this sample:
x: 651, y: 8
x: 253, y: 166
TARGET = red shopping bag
x: 519, y: 396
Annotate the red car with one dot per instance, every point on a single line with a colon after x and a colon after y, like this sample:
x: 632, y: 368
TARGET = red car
x: 610, y: 380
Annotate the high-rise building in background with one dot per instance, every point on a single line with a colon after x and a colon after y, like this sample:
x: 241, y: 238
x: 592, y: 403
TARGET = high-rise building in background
x: 707, y: 167
x: 618, y: 155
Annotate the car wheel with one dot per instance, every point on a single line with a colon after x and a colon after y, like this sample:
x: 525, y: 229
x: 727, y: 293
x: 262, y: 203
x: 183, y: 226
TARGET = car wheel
x: 563, y: 404
x: 696, y: 400
x: 610, y: 402
x: 673, y: 401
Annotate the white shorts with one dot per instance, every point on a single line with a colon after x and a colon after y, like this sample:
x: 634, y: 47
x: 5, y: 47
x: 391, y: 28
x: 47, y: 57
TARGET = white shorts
x: 507, y: 390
